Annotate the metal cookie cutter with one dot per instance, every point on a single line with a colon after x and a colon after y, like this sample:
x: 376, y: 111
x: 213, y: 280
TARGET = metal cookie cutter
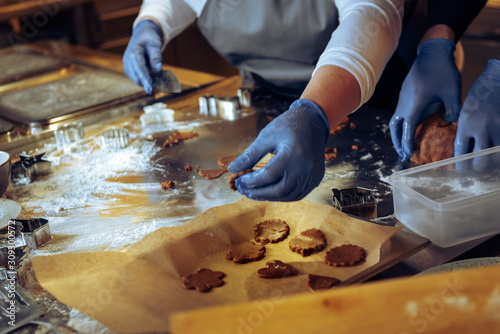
x: 34, y: 232
x: 356, y: 201
x: 30, y: 167
x: 245, y: 97
x: 115, y: 138
x: 226, y: 107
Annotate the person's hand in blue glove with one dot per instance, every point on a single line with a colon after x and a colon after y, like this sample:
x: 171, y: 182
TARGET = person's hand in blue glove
x: 433, y: 77
x: 480, y: 115
x: 143, y: 54
x: 297, y: 138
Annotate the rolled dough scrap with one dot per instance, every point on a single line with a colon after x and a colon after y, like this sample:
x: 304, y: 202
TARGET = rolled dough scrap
x: 434, y: 140
x: 203, y: 280
x: 330, y: 153
x: 345, y: 256
x: 212, y: 173
x: 317, y: 282
x: 276, y: 269
x: 169, y: 184
x: 341, y: 126
x: 178, y: 136
x: 271, y: 231
x: 233, y: 178
x: 308, y: 242
x: 187, y: 167
x: 245, y: 252
x: 226, y: 161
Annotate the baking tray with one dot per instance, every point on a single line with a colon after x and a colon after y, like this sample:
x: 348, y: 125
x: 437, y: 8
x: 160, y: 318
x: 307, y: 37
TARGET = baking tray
x: 15, y: 66
x: 57, y: 96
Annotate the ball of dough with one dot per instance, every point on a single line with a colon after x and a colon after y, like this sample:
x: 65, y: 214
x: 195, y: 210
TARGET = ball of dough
x: 434, y: 140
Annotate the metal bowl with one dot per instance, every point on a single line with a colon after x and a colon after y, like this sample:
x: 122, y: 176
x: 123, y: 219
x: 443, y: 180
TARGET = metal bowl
x: 4, y: 171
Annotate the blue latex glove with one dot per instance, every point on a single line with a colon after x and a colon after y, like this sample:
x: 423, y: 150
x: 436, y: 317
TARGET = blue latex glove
x: 297, y: 138
x: 433, y: 77
x: 480, y: 116
x: 143, y: 54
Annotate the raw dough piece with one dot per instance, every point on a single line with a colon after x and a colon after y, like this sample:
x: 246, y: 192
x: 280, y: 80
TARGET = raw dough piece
x: 177, y: 137
x: 342, y: 125
x: 330, y: 153
x: 188, y: 168
x: 168, y: 185
x: 212, y: 173
x: 276, y: 269
x: 226, y: 161
x: 203, y: 280
x: 272, y: 230
x: 245, y: 252
x: 307, y: 242
x: 345, y: 256
x: 317, y: 282
x: 233, y: 177
x: 434, y: 140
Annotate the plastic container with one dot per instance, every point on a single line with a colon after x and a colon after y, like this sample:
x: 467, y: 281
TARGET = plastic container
x: 450, y: 201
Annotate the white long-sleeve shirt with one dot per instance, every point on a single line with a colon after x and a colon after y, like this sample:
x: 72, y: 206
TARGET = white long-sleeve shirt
x: 362, y: 44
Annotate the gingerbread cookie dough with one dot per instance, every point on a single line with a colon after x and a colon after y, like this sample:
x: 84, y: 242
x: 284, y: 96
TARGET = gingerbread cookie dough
x: 271, y: 231
x: 212, y: 173
x: 308, y: 242
x: 167, y: 185
x: 203, y: 280
x: 245, y: 252
x: 178, y: 136
x: 317, y: 282
x: 233, y: 178
x: 345, y: 256
x: 330, y: 153
x: 276, y: 269
x: 434, y: 140
x: 226, y: 161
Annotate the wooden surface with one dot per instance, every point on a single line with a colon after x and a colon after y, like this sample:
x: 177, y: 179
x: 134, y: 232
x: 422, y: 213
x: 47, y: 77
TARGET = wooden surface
x: 465, y: 301
x: 11, y: 9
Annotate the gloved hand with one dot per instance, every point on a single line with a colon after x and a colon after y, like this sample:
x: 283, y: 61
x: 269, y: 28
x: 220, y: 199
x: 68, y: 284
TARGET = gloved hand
x: 433, y: 77
x: 143, y: 54
x: 480, y: 115
x: 297, y: 138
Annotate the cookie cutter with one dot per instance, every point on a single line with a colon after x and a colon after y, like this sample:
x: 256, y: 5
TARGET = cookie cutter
x: 68, y: 135
x: 245, y: 97
x: 34, y: 232
x: 356, y: 201
x: 29, y: 167
x: 226, y: 107
x: 157, y: 113
x: 12, y: 263
x: 115, y: 138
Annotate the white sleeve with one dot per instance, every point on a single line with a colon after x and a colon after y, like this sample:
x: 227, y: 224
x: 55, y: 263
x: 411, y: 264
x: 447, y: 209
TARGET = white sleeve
x: 173, y: 16
x: 365, y: 40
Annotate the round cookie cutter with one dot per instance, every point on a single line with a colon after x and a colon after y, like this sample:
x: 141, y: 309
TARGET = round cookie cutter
x: 115, y: 138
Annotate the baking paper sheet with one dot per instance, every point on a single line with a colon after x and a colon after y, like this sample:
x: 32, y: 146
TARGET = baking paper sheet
x: 135, y: 291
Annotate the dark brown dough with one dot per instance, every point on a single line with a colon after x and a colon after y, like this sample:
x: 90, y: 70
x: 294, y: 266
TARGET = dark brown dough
x: 345, y: 256
x: 203, y: 280
x: 434, y: 140
x: 317, y: 282
x: 226, y: 161
x: 308, y: 242
x: 177, y: 137
x: 212, y: 173
x: 276, y: 269
x: 167, y: 185
x: 233, y: 177
x: 245, y: 252
x: 271, y: 231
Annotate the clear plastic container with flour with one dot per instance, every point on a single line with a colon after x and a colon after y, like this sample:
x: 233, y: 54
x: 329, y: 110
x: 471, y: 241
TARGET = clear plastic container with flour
x: 453, y: 200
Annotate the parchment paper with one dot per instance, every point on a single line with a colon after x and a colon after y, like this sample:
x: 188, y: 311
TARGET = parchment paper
x: 135, y: 291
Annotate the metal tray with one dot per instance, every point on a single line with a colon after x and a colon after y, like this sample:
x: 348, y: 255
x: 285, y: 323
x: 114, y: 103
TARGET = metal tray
x: 53, y: 97
x: 15, y: 66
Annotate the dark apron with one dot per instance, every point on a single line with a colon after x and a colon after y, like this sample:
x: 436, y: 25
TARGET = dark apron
x: 274, y: 43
